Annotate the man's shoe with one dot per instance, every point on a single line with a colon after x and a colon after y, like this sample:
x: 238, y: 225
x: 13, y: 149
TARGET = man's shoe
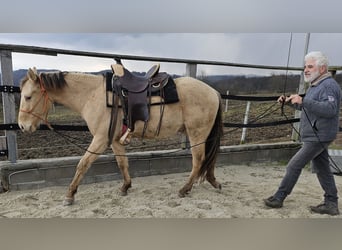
x: 325, y: 208
x: 273, y: 202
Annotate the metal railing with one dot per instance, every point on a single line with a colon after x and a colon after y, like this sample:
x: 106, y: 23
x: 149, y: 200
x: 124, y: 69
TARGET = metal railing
x: 6, y: 51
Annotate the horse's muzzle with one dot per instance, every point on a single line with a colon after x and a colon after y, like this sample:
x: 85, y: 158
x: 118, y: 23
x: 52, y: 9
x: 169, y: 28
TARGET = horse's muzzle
x: 27, y: 127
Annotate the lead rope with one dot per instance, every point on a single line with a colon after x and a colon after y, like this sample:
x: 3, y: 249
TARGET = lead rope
x: 285, y: 84
x: 286, y: 73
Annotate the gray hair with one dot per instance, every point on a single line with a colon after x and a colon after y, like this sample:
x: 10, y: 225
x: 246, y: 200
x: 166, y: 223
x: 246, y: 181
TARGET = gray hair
x: 319, y: 57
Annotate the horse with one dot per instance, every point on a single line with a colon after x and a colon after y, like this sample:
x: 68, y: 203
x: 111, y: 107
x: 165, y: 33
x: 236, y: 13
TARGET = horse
x: 197, y: 114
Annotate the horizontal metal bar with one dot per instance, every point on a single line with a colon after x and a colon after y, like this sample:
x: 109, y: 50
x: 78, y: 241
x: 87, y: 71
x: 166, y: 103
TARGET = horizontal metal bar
x: 55, y: 52
x: 9, y: 89
x: 3, y: 152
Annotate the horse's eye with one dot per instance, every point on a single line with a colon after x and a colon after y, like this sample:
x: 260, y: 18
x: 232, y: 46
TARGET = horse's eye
x: 27, y: 98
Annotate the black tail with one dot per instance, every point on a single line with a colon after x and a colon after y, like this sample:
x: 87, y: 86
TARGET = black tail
x: 212, y: 145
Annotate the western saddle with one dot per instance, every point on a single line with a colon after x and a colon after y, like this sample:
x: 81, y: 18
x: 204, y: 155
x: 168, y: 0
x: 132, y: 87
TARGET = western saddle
x: 134, y: 92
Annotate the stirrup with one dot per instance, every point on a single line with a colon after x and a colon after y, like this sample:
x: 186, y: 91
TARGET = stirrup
x: 126, y: 138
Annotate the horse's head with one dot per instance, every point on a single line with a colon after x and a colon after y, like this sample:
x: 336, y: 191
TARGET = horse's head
x: 34, y: 102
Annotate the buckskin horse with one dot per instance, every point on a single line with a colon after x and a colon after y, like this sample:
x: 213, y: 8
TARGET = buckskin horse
x: 197, y: 113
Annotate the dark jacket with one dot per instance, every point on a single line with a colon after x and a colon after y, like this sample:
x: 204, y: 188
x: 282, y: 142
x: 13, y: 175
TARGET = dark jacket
x: 320, y: 117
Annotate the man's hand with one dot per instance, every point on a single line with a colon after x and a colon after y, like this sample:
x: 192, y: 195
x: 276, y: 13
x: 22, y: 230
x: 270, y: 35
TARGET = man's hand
x: 294, y: 99
x: 281, y: 99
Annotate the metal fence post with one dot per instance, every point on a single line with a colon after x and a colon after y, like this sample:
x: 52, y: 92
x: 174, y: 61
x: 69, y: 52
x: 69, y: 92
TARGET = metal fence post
x: 226, y: 107
x: 8, y: 102
x: 301, y: 90
x: 245, y: 121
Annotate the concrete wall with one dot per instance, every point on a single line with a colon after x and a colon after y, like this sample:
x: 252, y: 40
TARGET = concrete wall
x: 30, y: 174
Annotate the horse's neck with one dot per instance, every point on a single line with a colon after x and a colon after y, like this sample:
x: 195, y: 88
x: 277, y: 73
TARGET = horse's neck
x: 80, y: 88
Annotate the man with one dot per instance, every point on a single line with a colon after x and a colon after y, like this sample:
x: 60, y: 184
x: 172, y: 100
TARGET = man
x: 319, y: 124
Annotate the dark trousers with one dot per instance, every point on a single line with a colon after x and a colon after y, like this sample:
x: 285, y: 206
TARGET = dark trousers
x: 317, y: 153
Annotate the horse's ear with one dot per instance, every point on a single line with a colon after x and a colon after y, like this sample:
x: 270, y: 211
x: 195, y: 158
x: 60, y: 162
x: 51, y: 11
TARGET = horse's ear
x: 32, y: 74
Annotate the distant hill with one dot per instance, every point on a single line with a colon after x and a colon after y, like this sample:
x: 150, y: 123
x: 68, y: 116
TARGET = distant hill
x: 247, y: 85
x: 18, y: 75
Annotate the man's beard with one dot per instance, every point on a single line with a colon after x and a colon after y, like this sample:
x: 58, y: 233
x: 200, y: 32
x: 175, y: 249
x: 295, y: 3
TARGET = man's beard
x: 314, y: 75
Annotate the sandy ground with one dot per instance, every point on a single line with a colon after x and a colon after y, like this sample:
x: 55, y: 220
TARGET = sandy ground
x: 242, y: 194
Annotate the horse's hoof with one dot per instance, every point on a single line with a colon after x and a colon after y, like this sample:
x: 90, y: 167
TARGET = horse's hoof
x: 215, y: 184
x: 124, y: 189
x: 3, y: 189
x: 184, y: 191
x: 181, y: 195
x: 123, y: 193
x: 68, y: 201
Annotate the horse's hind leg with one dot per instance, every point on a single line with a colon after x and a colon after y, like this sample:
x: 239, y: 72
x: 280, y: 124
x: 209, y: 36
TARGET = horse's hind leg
x: 197, y: 159
x: 210, y: 176
x: 84, y: 164
x: 122, y: 161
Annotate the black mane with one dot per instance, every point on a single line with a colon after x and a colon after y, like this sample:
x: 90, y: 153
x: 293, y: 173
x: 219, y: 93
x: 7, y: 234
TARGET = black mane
x: 50, y: 80
x: 53, y: 80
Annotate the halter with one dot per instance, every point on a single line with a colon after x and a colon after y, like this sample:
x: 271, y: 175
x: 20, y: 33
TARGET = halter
x: 43, y: 95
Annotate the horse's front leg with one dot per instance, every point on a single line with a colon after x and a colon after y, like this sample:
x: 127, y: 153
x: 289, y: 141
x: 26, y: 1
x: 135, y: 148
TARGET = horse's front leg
x: 122, y: 161
x: 96, y: 147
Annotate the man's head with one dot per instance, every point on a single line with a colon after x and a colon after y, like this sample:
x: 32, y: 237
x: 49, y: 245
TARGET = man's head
x: 316, y: 64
